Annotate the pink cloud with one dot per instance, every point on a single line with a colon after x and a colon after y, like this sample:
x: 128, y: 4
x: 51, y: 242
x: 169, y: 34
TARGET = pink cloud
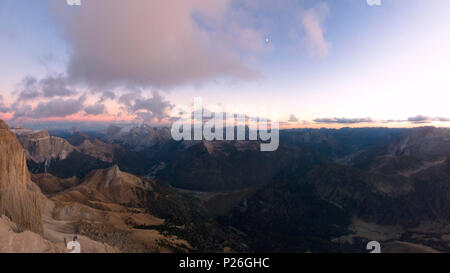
x: 153, y: 43
x: 312, y: 25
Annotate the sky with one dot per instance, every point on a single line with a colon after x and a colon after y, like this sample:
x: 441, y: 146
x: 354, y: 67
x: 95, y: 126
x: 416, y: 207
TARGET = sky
x: 324, y: 63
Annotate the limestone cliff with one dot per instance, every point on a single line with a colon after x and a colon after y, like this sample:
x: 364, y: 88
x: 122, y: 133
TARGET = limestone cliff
x: 41, y: 147
x: 20, y: 199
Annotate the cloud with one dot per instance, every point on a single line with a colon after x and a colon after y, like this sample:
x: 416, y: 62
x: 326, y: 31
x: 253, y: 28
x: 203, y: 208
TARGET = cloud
x: 3, y: 107
x: 311, y: 22
x: 426, y: 119
x: 343, y: 120
x: 56, y: 86
x: 146, y: 108
x: 144, y: 116
x: 293, y: 118
x: 21, y: 111
x: 96, y: 109
x: 43, y: 92
x: 442, y: 119
x: 393, y: 121
x: 420, y: 119
x: 156, y: 105
x: 28, y: 89
x: 107, y: 95
x: 52, y: 86
x: 151, y: 43
x: 57, y: 108
x: 128, y: 99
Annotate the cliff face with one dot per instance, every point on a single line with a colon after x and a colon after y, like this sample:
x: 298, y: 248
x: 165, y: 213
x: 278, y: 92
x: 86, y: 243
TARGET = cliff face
x: 41, y: 147
x: 20, y: 199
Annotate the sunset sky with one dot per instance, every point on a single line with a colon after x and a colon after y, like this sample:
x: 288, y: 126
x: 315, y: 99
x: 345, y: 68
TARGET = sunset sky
x: 324, y: 63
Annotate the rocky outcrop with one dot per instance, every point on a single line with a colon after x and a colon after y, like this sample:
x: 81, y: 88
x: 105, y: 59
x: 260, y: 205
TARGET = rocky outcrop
x: 111, y: 206
x: 12, y: 241
x: 41, y: 147
x: 112, y: 186
x: 20, y: 199
x: 50, y: 184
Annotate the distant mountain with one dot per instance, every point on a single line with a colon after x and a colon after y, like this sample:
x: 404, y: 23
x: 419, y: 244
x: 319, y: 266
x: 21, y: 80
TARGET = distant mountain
x: 58, y: 156
x: 128, y: 160
x: 41, y: 147
x: 233, y: 165
x: 77, y: 155
x: 93, y: 146
x: 137, y: 138
x: 227, y: 166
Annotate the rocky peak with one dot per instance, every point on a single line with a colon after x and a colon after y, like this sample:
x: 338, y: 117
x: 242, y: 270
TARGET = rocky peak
x: 20, y: 199
x: 41, y: 147
x: 78, y: 138
x: 113, y: 185
x: 113, y: 174
x: 3, y: 125
x: 138, y: 137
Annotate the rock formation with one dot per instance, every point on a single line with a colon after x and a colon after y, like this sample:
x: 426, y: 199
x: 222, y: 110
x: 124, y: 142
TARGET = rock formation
x: 41, y: 147
x: 26, y: 215
x: 20, y: 199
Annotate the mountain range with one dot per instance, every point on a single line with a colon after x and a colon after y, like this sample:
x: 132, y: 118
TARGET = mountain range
x: 134, y: 189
